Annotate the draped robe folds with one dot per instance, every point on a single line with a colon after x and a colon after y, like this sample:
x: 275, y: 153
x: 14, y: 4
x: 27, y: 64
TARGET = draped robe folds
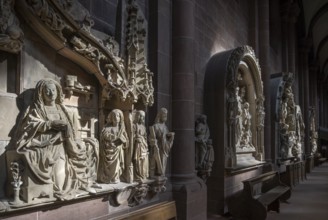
x: 160, y: 150
x: 43, y: 148
x: 111, y: 157
x: 141, y: 152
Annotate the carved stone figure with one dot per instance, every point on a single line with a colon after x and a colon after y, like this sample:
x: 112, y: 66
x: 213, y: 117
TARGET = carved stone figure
x: 47, y: 140
x: 239, y: 118
x: 204, y: 149
x: 291, y: 125
x: 113, y: 141
x: 246, y: 139
x: 313, y: 132
x: 140, y: 147
x: 161, y: 141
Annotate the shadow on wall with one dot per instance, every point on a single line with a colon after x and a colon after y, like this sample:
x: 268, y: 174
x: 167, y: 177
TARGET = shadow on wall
x: 22, y: 102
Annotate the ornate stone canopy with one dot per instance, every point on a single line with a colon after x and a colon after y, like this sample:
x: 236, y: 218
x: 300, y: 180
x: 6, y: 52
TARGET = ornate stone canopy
x: 233, y: 80
x: 67, y: 27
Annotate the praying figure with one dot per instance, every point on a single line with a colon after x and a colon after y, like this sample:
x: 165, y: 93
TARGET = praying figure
x: 52, y: 151
x: 161, y: 141
x: 113, y: 141
x: 140, y: 147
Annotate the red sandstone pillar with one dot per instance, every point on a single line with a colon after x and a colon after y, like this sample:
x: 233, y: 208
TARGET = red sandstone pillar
x: 306, y: 95
x: 264, y: 57
x: 293, y: 13
x: 188, y: 190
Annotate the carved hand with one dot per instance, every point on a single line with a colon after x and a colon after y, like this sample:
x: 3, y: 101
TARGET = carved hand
x: 59, y: 125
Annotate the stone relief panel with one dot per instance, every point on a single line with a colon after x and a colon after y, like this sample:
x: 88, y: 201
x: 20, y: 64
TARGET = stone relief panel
x: 204, y: 153
x: 56, y: 154
x: 313, y: 132
x: 245, y: 109
x: 290, y: 120
x: 50, y: 162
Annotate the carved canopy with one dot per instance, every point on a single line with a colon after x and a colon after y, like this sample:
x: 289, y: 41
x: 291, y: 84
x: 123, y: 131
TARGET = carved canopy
x: 66, y: 26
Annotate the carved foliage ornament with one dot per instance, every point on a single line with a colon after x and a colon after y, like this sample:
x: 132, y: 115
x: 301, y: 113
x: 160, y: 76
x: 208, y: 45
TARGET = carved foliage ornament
x: 70, y: 23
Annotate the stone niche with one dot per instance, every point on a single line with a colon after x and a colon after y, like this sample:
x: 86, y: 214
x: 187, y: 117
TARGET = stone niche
x: 287, y: 127
x: 234, y: 104
x: 63, y: 148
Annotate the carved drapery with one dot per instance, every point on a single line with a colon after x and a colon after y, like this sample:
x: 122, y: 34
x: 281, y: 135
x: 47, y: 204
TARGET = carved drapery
x: 125, y: 79
x: 245, y: 109
x: 65, y: 25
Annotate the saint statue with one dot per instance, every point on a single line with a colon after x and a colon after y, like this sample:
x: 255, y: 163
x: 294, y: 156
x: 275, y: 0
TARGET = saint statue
x: 204, y: 150
x: 246, y: 139
x: 140, y: 147
x: 161, y: 141
x: 113, y: 142
x: 48, y: 143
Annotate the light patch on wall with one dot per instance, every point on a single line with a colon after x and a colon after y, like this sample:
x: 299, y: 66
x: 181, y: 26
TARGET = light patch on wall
x: 34, y: 70
x: 217, y: 48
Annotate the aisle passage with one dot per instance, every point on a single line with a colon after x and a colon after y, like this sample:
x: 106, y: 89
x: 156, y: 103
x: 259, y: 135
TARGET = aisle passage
x: 309, y: 200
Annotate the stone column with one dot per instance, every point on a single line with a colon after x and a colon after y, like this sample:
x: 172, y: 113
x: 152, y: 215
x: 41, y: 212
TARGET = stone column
x: 306, y: 95
x: 189, y: 191
x: 284, y: 33
x: 293, y: 13
x: 264, y: 57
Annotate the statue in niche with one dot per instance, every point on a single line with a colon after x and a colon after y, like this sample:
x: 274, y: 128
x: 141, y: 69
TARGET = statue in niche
x: 204, y: 149
x: 140, y: 147
x: 297, y: 151
x: 161, y: 141
x: 287, y: 123
x: 239, y: 118
x: 48, y: 143
x: 113, y: 142
x: 246, y: 139
x: 291, y: 125
x: 243, y: 133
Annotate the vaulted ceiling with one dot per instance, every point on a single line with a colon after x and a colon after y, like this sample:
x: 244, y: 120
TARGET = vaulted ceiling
x: 316, y: 30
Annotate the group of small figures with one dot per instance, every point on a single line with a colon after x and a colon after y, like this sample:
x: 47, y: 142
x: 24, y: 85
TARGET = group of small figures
x: 53, y: 155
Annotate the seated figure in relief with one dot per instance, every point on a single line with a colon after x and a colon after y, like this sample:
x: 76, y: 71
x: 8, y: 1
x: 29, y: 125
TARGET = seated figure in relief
x: 48, y: 143
x: 113, y: 142
x: 161, y: 141
x: 140, y: 157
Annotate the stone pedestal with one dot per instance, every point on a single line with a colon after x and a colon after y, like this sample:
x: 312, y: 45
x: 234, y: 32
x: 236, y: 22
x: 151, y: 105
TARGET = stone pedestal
x: 189, y: 191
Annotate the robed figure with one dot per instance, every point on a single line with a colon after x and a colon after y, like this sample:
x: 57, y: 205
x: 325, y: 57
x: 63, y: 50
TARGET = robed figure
x: 140, y: 156
x: 113, y: 142
x: 48, y: 143
x: 161, y: 141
